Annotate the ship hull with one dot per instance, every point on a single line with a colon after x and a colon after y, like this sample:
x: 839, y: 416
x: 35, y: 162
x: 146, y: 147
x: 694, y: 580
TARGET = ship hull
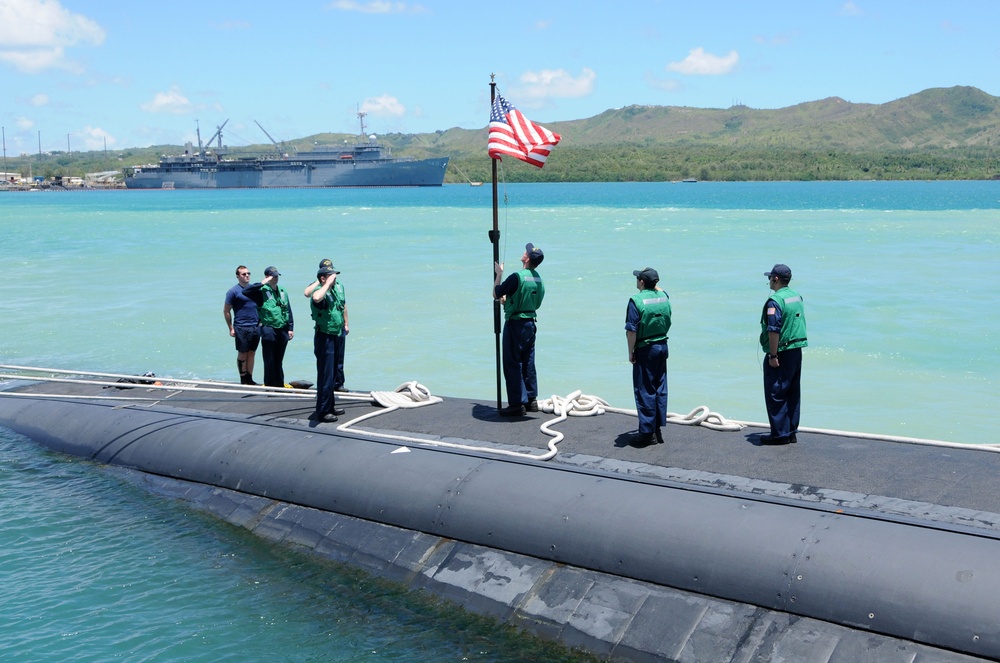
x: 628, y: 560
x: 300, y: 173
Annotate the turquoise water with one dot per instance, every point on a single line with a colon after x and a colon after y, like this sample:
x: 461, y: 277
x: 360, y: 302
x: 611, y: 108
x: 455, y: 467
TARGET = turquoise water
x: 901, y: 281
x: 94, y: 568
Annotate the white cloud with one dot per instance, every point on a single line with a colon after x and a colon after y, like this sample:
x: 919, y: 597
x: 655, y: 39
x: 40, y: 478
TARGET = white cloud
x: 235, y: 24
x: 700, y: 63
x: 377, y: 7
x: 94, y: 138
x: 851, y: 9
x: 172, y: 102
x: 665, y: 84
x: 776, y: 40
x: 24, y: 123
x: 384, y: 106
x: 537, y: 86
x: 39, y: 99
x: 948, y: 26
x: 34, y: 34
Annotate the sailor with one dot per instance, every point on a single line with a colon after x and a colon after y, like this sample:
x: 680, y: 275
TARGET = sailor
x: 782, y: 337
x: 521, y: 294
x: 647, y: 321
x: 277, y: 324
x: 240, y: 313
x: 341, y: 341
x: 328, y: 312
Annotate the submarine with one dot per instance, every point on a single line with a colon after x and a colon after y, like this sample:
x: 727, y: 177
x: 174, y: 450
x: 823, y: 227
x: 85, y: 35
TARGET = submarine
x: 712, y: 546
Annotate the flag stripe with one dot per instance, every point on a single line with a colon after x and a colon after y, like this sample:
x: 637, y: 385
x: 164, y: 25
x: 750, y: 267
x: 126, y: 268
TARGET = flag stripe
x: 512, y: 134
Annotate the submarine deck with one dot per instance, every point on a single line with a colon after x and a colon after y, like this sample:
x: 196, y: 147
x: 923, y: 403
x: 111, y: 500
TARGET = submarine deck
x: 837, y: 548
x: 940, y: 486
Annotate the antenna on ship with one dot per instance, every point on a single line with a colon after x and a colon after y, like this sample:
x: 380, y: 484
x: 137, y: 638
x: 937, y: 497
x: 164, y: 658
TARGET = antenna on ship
x: 361, y: 118
x: 197, y: 130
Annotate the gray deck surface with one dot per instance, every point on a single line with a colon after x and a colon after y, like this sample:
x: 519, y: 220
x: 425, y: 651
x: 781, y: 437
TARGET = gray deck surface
x: 946, y: 486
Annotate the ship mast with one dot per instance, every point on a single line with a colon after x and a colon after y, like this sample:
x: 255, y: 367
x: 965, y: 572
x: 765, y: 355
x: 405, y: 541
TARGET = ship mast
x: 218, y: 132
x: 361, y: 118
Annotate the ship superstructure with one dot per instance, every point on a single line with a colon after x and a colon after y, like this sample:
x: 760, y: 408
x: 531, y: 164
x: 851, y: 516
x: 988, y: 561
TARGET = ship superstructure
x: 366, y: 163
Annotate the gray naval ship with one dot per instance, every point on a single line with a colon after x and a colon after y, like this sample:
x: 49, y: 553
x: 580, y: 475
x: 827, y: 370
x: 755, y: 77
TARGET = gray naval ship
x: 364, y: 164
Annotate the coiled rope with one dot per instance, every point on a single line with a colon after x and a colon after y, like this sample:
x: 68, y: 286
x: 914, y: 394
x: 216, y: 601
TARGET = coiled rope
x: 413, y: 394
x: 577, y: 404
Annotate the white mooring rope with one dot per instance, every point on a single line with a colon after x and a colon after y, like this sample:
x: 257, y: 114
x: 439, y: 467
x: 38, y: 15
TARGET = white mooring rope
x: 413, y: 394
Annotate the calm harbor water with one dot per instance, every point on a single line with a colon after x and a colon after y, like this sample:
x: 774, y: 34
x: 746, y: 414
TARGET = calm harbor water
x: 901, y: 281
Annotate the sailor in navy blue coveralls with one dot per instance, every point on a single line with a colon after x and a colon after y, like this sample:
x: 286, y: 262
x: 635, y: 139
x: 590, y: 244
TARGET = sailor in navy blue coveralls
x: 522, y: 294
x: 782, y: 337
x: 647, y: 321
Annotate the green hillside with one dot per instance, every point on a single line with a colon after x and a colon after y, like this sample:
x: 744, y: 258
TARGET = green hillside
x: 942, y: 133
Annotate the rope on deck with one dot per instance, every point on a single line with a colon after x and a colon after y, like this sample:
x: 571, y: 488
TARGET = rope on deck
x: 413, y: 394
x: 576, y: 404
x: 579, y: 404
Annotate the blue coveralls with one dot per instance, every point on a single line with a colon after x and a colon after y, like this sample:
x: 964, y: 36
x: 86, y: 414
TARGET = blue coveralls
x: 518, y: 351
x: 782, y: 385
x: 649, y: 378
x: 328, y: 349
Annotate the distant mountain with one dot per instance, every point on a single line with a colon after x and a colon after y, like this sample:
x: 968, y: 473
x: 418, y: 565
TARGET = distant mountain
x: 827, y: 139
x: 940, y: 133
x: 935, y: 118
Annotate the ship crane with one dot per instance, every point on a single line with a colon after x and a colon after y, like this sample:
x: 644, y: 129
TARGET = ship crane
x: 218, y: 132
x: 278, y: 146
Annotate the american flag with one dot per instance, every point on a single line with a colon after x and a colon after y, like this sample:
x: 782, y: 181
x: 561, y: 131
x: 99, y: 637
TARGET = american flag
x: 515, y: 135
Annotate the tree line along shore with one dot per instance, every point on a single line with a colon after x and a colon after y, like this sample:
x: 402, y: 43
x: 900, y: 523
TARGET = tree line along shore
x: 937, y: 134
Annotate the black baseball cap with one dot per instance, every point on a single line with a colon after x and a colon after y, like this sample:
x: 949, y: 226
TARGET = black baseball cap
x: 781, y: 271
x: 647, y: 274
x: 326, y: 267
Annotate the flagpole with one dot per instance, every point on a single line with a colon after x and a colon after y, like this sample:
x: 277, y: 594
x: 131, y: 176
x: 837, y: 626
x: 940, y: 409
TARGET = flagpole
x: 495, y: 240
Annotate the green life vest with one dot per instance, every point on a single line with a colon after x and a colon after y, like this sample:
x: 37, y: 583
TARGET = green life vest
x: 654, y: 317
x: 528, y: 297
x: 793, y: 321
x: 274, y: 311
x: 330, y: 319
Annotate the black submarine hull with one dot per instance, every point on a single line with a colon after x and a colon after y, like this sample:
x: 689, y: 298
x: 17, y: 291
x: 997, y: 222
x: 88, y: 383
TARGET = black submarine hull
x: 916, y: 581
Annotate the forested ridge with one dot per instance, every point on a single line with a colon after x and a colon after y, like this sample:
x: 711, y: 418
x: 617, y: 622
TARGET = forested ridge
x: 940, y: 133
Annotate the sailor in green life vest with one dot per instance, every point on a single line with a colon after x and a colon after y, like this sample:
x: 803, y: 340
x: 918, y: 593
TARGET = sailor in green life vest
x: 341, y: 342
x: 647, y: 321
x: 276, y: 324
x: 521, y: 294
x: 782, y: 337
x: 328, y: 311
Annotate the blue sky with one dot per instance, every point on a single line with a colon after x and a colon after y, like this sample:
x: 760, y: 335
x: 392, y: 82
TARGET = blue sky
x: 82, y: 74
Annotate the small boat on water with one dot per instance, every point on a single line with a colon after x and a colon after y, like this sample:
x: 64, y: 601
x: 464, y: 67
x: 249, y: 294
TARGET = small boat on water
x: 471, y: 181
x: 367, y: 163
